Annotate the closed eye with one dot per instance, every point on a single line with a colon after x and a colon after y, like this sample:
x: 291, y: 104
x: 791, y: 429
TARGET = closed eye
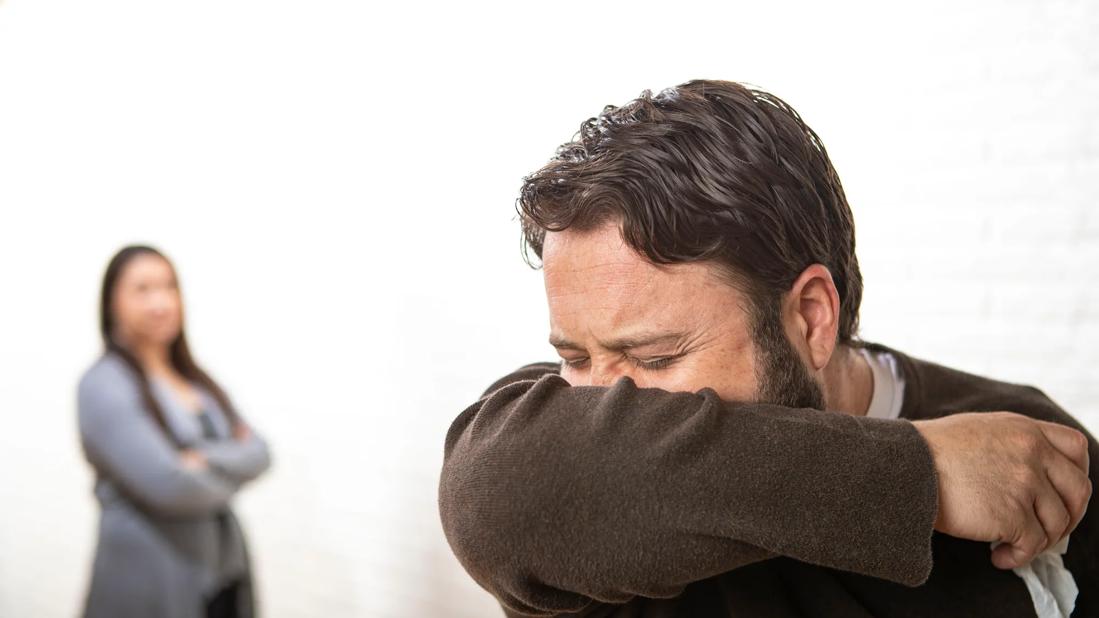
x: 576, y: 363
x: 655, y: 364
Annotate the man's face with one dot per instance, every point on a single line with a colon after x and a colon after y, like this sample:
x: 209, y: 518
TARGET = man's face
x: 679, y: 327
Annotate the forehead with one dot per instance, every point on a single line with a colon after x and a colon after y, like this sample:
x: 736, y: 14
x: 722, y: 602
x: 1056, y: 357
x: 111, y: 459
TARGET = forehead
x: 597, y: 284
x: 146, y: 266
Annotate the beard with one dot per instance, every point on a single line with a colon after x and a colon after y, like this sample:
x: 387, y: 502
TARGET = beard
x: 782, y: 377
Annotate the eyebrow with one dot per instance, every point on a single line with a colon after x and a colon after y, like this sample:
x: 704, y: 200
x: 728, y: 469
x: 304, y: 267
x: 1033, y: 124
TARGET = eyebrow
x: 623, y: 343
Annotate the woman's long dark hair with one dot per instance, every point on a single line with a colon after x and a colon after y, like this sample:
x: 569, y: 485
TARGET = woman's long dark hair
x: 179, y: 352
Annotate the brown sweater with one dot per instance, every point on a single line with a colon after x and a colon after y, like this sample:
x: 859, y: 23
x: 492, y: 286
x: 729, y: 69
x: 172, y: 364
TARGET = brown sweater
x: 622, y: 501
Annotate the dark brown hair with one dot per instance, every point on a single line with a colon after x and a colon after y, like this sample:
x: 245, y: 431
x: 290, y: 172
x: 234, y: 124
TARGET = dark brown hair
x: 179, y: 352
x: 707, y: 171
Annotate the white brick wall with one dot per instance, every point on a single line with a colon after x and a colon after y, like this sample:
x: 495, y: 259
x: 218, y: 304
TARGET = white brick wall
x: 336, y: 183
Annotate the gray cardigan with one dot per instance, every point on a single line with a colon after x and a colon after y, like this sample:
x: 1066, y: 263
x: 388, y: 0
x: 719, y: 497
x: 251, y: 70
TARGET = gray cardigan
x: 167, y: 536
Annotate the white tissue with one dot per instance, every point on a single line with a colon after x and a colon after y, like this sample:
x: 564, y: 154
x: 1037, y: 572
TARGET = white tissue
x: 1050, y: 584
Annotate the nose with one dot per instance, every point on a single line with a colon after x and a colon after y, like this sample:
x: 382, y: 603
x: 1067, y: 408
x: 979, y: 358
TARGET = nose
x: 160, y: 303
x: 604, y: 376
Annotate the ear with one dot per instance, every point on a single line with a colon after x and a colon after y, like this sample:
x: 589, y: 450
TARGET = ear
x: 811, y: 310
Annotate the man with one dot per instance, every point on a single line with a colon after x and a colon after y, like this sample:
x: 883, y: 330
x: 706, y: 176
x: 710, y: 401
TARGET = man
x: 715, y: 440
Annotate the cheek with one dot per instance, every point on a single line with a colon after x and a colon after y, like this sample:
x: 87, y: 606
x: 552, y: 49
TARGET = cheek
x: 175, y: 309
x: 128, y: 312
x: 574, y: 377
x: 729, y: 373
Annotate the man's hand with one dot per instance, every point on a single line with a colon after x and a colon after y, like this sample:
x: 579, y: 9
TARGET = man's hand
x: 1010, y: 479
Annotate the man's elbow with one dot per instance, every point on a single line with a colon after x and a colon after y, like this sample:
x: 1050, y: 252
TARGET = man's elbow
x: 484, y: 530
x: 468, y: 527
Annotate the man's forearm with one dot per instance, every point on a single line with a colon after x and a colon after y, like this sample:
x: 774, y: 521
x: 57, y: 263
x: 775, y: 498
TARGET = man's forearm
x: 552, y: 495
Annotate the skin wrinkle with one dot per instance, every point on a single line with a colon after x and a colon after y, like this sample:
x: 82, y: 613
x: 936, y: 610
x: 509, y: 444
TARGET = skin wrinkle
x: 715, y: 172
x: 642, y: 339
x: 601, y: 290
x: 715, y: 179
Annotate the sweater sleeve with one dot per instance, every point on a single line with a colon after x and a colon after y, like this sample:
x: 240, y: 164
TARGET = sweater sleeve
x: 124, y: 443
x: 557, y: 498
x: 240, y: 461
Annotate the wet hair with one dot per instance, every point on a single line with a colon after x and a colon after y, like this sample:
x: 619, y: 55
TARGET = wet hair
x: 179, y: 351
x: 709, y: 171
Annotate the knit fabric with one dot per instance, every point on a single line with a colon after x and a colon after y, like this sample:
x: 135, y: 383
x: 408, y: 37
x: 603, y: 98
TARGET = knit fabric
x: 627, y: 501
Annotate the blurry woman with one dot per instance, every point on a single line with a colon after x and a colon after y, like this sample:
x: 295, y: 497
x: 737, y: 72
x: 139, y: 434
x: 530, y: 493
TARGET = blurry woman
x: 169, y: 451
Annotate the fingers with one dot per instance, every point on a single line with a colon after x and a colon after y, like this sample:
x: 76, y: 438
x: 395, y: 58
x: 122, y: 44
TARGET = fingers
x: 1053, y: 515
x: 1073, y: 444
x: 1067, y: 469
x: 1059, y: 504
x: 193, y: 460
x: 242, y: 432
x: 1030, y: 542
x: 1072, y: 485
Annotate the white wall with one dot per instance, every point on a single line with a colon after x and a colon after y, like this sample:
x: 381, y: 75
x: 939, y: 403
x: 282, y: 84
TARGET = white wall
x: 336, y: 183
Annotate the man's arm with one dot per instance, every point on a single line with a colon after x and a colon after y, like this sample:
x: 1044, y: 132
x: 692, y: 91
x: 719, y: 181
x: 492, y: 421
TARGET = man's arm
x: 553, y: 496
